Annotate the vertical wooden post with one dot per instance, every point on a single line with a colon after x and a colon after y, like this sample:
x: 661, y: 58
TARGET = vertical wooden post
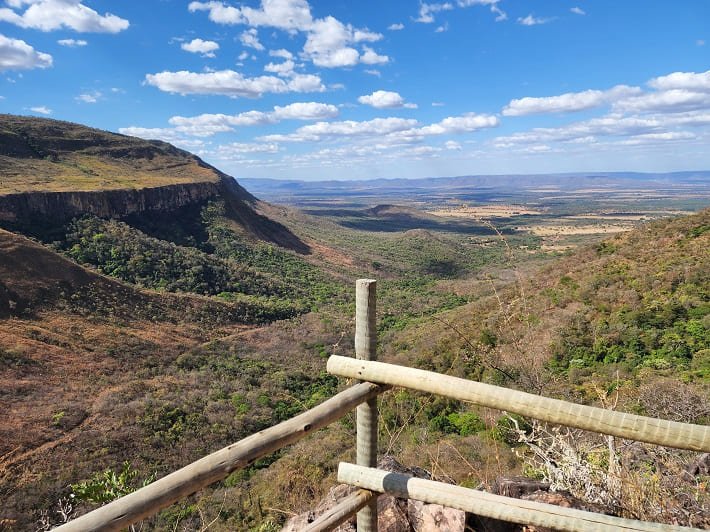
x: 366, y: 349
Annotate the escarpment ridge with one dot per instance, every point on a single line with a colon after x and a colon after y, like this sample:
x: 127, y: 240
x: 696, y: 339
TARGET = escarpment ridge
x: 59, y: 170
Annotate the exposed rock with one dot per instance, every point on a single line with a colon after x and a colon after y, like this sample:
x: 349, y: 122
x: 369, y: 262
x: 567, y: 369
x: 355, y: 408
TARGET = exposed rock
x: 564, y: 499
x: 433, y: 517
x: 26, y: 207
x: 699, y: 467
x: 516, y: 487
x: 394, y: 515
x: 530, y: 490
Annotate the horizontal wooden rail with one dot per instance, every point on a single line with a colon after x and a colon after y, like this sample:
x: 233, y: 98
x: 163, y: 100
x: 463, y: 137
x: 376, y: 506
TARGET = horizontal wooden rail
x: 624, y: 425
x: 341, y: 512
x: 217, y: 466
x: 488, y: 505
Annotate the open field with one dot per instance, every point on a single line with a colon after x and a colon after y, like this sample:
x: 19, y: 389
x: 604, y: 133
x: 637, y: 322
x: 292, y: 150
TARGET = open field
x: 485, y: 211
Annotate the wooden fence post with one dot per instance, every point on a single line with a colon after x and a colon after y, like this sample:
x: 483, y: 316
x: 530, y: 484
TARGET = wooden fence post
x: 366, y: 349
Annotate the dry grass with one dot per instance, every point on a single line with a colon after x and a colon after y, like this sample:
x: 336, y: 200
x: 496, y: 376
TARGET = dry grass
x: 485, y: 211
x: 76, y: 172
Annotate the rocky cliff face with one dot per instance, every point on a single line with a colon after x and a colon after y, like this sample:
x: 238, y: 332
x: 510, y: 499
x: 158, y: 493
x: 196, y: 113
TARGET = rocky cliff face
x: 27, y: 207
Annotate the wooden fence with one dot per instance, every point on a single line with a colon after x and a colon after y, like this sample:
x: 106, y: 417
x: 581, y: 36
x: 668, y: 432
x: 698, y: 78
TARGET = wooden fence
x: 376, y: 378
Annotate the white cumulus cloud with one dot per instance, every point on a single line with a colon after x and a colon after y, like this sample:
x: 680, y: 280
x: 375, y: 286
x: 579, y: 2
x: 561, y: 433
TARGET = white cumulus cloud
x: 205, y: 125
x: 385, y: 100
x: 48, y: 15
x: 346, y: 128
x: 330, y: 43
x: 231, y: 83
x: 370, y: 57
x: 250, y: 38
x: 694, y: 81
x: 43, y: 110
x: 282, y: 53
x: 568, y: 102
x: 199, y: 46
x: 577, y: 10
x: 89, y: 97
x: 284, y: 69
x: 396, y: 27
x: 459, y: 124
x: 667, y: 101
x: 16, y: 54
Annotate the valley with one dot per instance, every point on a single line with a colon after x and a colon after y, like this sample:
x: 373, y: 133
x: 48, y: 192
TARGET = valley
x: 152, y: 331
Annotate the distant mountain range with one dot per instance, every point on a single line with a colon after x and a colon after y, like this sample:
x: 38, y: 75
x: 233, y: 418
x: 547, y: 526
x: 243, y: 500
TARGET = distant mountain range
x: 513, y: 181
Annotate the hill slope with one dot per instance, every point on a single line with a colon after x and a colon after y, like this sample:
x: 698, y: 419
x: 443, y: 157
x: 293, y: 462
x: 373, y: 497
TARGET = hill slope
x: 38, y: 154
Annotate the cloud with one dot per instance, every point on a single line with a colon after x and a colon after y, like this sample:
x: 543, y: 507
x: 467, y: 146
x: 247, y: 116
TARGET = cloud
x: 373, y: 72
x: 250, y: 38
x: 388, y: 131
x: 231, y: 83
x: 677, y: 101
x: 228, y: 151
x: 370, y: 57
x: 459, y: 124
x: 396, y: 27
x: 284, y: 69
x: 577, y: 11
x: 72, y: 43
x: 612, y: 126
x: 209, y: 124
x: 198, y: 46
x: 694, y: 81
x: 530, y: 20
x: 654, y: 138
x: 426, y: 11
x: 48, y: 15
x: 452, y: 145
x: 305, y: 111
x: 89, y: 97
x: 385, y: 100
x: 441, y: 29
x: 329, y: 42
x: 568, y: 102
x: 166, y: 134
x: 666, y: 101
x: 43, y: 110
x: 700, y: 42
x: 16, y: 54
x: 282, y: 53
x: 347, y: 128
x: 289, y: 15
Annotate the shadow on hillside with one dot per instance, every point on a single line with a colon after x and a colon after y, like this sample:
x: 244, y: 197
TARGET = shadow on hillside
x: 406, y: 223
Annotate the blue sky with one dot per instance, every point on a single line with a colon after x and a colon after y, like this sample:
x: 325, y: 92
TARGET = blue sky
x: 366, y: 89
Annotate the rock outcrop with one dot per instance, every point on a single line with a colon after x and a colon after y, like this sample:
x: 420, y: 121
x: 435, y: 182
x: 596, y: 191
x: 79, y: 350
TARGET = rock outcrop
x: 25, y: 207
x: 394, y: 515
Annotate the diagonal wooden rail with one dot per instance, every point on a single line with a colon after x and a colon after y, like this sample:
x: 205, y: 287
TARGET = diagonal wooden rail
x: 154, y: 497
x: 622, y: 424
